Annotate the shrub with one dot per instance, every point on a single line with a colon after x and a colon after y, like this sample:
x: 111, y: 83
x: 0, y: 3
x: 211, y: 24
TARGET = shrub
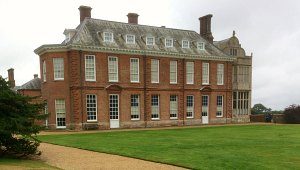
x: 292, y: 114
x: 17, y: 122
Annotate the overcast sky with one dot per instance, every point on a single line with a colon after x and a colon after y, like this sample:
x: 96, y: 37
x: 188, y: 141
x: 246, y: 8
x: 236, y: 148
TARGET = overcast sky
x: 268, y: 28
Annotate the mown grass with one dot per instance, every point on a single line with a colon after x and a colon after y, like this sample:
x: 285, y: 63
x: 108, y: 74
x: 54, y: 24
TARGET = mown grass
x: 222, y: 147
x: 15, y: 163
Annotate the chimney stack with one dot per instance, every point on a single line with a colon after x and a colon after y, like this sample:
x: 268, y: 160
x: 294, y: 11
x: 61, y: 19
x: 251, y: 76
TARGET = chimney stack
x: 35, y: 76
x: 205, y: 28
x: 85, y: 12
x: 132, y: 18
x: 11, y: 78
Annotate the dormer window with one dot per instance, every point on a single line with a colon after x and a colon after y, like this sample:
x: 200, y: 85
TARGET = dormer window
x: 200, y: 46
x: 130, y: 39
x: 108, y: 37
x: 150, y: 41
x: 185, y: 44
x: 233, y: 52
x: 169, y: 42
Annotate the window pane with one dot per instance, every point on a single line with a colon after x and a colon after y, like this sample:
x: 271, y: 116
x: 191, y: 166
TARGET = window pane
x: 134, y: 70
x: 90, y: 68
x: 173, y: 71
x: 205, y: 73
x: 154, y: 71
x: 190, y: 72
x: 58, y: 64
x: 113, y: 69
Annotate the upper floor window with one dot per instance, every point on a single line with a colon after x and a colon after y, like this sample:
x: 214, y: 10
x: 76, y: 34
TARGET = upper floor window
x: 58, y: 64
x: 113, y: 69
x: 233, y: 52
x: 185, y: 44
x: 150, y: 41
x: 44, y: 71
x: 173, y: 72
x: 134, y: 70
x: 108, y: 37
x: 189, y: 72
x: 90, y: 70
x: 154, y: 71
x: 169, y: 42
x: 205, y: 73
x: 220, y: 74
x: 130, y: 39
x: 200, y: 46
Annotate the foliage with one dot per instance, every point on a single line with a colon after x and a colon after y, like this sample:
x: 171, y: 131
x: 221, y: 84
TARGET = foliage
x: 15, y: 163
x: 260, y: 109
x: 292, y: 114
x: 17, y: 122
x: 222, y: 147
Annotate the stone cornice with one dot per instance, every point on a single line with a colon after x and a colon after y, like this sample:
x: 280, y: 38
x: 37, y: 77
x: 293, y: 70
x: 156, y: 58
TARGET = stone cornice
x: 61, y: 48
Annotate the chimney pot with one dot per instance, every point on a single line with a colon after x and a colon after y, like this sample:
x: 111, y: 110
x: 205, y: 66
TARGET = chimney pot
x: 132, y: 18
x: 35, y: 76
x: 11, y: 78
x: 205, y: 27
x: 85, y: 12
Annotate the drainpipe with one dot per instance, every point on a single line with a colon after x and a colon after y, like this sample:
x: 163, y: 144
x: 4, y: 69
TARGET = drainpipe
x: 81, y: 95
x: 145, y: 87
x: 183, y: 90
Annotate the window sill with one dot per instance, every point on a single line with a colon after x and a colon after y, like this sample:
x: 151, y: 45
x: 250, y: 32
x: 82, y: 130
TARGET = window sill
x: 92, y: 121
x: 190, y: 117
x: 90, y: 80
x: 61, y: 127
x: 173, y: 118
x: 173, y: 83
x: 135, y: 82
x: 219, y: 116
x: 155, y: 119
x: 135, y: 119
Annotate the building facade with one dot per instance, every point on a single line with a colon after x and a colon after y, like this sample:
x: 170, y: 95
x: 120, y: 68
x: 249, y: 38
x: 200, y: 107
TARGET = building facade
x: 108, y: 74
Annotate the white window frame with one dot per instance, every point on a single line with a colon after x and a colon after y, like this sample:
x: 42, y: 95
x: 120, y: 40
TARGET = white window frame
x: 56, y: 112
x: 167, y: 43
x: 190, y: 72
x: 89, y: 107
x: 220, y: 107
x: 147, y: 41
x: 44, y: 71
x: 153, y: 72
x: 187, y: 45
x: 173, y: 72
x: 46, y: 113
x: 200, y: 45
x: 127, y: 39
x: 154, y: 107
x: 205, y: 77
x: 132, y: 73
x: 108, y: 37
x: 86, y: 68
x: 134, y: 109
x: 190, y: 108
x: 220, y: 74
x: 117, y: 69
x: 174, y: 111
x: 58, y: 74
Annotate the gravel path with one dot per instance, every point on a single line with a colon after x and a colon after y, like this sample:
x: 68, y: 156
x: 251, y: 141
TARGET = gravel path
x: 72, y: 158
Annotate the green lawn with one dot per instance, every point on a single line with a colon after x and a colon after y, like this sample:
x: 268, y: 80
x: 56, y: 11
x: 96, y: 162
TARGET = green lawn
x: 222, y: 147
x: 12, y: 163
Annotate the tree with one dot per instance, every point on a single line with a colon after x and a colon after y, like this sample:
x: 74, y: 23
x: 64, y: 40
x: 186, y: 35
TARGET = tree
x: 260, y: 109
x: 292, y: 114
x: 17, y: 122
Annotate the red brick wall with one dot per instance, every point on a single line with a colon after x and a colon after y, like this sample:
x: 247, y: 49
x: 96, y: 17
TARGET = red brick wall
x: 74, y: 89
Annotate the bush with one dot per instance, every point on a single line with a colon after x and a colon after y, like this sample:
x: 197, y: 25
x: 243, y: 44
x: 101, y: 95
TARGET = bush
x: 292, y: 114
x: 17, y: 122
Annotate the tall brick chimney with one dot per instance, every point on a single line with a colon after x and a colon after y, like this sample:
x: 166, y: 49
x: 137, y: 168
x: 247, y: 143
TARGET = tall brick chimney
x: 11, y: 77
x: 85, y: 12
x: 132, y: 18
x: 205, y: 27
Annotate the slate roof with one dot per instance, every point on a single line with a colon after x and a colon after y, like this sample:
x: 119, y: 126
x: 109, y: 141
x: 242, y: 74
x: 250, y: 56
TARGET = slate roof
x: 90, y: 33
x: 34, y: 84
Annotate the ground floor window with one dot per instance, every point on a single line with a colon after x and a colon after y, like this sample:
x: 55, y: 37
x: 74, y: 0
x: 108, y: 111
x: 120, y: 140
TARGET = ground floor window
x: 205, y: 105
x: 190, y: 106
x: 155, y: 107
x: 241, y: 102
x: 173, y: 106
x: 60, y: 109
x: 46, y: 113
x: 114, y: 106
x: 135, y: 107
x: 219, y: 106
x: 91, y: 107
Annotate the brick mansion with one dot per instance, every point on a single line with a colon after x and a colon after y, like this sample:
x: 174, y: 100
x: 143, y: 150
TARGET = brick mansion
x: 108, y: 74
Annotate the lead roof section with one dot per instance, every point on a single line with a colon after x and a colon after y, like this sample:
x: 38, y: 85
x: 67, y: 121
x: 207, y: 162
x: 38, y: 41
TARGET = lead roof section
x: 90, y: 33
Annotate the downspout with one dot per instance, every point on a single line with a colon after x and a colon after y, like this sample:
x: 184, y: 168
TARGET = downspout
x: 81, y: 95
x: 183, y: 90
x: 145, y: 87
